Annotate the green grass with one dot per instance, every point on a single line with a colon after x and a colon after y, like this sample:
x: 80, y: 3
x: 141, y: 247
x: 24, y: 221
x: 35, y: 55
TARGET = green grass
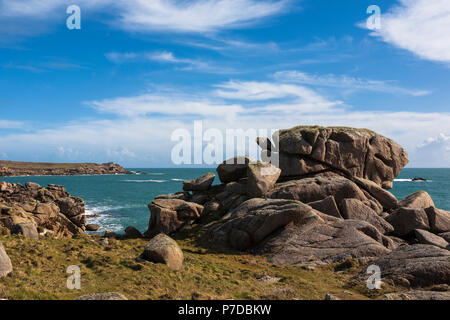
x: 41, y: 165
x: 40, y: 273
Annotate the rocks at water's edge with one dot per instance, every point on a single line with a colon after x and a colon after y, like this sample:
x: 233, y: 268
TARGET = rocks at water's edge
x: 327, y: 204
x: 32, y: 210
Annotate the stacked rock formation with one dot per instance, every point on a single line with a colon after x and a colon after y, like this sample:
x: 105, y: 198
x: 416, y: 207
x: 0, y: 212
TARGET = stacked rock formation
x: 34, y: 211
x: 326, y: 202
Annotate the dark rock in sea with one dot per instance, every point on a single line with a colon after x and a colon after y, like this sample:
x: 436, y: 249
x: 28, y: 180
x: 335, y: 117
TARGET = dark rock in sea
x: 419, y: 179
x: 92, y: 227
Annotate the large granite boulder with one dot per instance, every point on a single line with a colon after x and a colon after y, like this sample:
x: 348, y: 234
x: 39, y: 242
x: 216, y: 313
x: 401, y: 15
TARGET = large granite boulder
x: 233, y: 169
x: 327, y: 206
x: 354, y: 152
x: 385, y: 198
x: 261, y: 177
x: 5, y: 262
x: 200, y: 184
x: 406, y: 220
x: 171, y: 215
x: 255, y: 219
x: 163, y: 249
x: 356, y: 210
x: 426, y: 237
x: 439, y: 220
x: 326, y: 243
x: 27, y: 229
x: 317, y: 188
x: 417, y: 200
x: 417, y: 265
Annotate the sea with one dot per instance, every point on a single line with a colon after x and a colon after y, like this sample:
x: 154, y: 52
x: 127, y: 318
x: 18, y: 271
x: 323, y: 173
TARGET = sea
x: 119, y: 201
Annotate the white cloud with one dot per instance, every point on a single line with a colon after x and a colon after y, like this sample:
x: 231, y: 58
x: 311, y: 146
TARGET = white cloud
x: 150, y: 15
x: 342, y: 81
x: 7, y: 124
x: 419, y: 26
x: 434, y: 152
x: 168, y: 57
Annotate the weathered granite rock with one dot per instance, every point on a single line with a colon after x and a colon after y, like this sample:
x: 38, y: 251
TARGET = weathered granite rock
x: 318, y: 188
x: 385, y: 198
x: 416, y: 265
x: 417, y: 295
x: 103, y: 296
x: 356, y: 210
x: 426, y: 237
x: 200, y: 184
x: 171, y: 215
x: 233, y: 169
x: 27, y: 229
x: 5, y: 262
x: 92, y: 227
x: 327, y: 206
x: 325, y: 243
x: 132, y: 232
x: 439, y: 220
x: 261, y: 177
x: 355, y: 152
x: 255, y: 219
x: 446, y: 236
x: 417, y: 200
x: 163, y: 249
x: 406, y: 220
x: 51, y: 209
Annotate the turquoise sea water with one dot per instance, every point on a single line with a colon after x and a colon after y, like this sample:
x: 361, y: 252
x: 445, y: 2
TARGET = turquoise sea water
x: 121, y: 200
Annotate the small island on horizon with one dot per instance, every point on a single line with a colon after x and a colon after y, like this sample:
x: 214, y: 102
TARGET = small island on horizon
x: 21, y: 168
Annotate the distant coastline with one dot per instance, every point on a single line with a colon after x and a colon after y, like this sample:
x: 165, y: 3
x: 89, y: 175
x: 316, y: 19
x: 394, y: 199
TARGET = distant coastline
x: 17, y: 169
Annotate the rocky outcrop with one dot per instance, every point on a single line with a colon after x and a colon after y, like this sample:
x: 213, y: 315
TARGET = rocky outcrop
x: 171, y: 215
x: 329, y: 203
x: 200, y: 184
x: 14, y: 168
x: 353, y: 152
x: 418, y: 295
x: 163, y: 249
x: 5, y: 262
x: 32, y: 210
x: 416, y: 265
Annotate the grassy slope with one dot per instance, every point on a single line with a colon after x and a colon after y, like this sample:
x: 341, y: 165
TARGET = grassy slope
x: 40, y: 273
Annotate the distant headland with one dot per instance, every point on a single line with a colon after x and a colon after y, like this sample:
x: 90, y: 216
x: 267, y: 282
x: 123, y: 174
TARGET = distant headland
x: 16, y: 168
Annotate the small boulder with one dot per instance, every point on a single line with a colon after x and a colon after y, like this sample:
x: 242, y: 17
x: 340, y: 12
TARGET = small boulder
x: 5, y: 262
x: 417, y: 200
x: 439, y: 220
x: 200, y: 184
x: 27, y: 229
x: 92, y: 227
x: 426, y: 237
x: 327, y: 206
x: 262, y: 176
x: 233, y: 169
x: 356, y: 210
x: 406, y: 220
x: 163, y: 249
x: 103, y: 296
x: 132, y: 232
x: 32, y: 186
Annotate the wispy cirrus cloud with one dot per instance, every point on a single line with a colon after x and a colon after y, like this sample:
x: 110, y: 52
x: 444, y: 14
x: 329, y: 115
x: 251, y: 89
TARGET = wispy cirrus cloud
x: 342, y: 81
x: 197, y: 16
x: 419, y: 26
x: 183, y: 64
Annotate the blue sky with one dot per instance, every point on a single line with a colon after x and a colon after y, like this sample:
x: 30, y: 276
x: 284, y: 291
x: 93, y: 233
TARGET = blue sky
x: 137, y: 70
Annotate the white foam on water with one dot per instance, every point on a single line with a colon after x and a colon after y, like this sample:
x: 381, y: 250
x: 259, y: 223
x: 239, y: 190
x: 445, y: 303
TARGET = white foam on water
x: 104, y: 219
x: 143, y: 181
x: 177, y: 179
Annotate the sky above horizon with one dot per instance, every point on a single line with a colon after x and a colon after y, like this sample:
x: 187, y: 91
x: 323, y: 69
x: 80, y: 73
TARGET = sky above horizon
x: 138, y: 70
